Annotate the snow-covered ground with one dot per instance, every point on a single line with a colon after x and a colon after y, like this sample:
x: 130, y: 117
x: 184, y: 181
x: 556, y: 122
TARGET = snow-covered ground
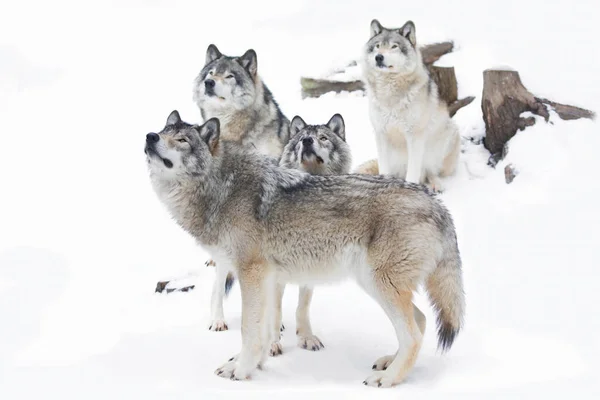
x: 83, y: 239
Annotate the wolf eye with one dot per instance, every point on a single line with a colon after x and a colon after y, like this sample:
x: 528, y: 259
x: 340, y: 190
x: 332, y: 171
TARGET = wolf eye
x: 394, y: 46
x: 377, y: 46
x: 211, y: 72
x: 323, y: 138
x: 181, y: 140
x: 229, y: 76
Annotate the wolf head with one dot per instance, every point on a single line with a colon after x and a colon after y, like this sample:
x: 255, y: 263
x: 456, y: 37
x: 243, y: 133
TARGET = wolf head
x: 181, y: 150
x: 318, y: 149
x: 392, y: 50
x: 226, y: 83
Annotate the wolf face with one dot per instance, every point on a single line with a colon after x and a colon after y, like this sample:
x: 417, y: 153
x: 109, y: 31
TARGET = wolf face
x: 392, y: 50
x: 318, y: 149
x: 181, y: 149
x: 225, y: 82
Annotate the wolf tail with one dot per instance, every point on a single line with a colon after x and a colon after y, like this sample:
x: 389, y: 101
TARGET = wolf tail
x: 229, y: 281
x: 445, y: 289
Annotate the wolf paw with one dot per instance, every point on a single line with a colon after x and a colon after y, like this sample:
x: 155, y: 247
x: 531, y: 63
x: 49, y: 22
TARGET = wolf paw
x: 382, y: 363
x: 210, y: 263
x: 310, y: 342
x: 434, y: 185
x: 276, y: 349
x: 379, y: 379
x: 230, y: 370
x: 218, y: 325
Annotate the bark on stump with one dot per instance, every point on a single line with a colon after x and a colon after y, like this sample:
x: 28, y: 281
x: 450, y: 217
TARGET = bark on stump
x: 503, y: 101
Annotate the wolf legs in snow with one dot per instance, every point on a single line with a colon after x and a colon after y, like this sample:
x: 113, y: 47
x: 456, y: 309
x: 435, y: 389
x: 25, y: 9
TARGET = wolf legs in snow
x: 258, y: 287
x: 217, y: 317
x: 382, y: 363
x: 400, y: 310
x: 306, y: 339
x: 390, y: 278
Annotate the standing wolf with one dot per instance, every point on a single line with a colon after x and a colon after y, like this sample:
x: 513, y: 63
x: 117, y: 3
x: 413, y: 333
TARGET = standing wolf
x: 316, y: 149
x: 230, y: 89
x: 278, y: 225
x: 415, y: 137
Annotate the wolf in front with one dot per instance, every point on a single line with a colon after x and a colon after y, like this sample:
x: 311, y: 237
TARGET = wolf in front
x: 317, y: 149
x: 279, y: 225
x: 230, y: 89
x: 415, y: 137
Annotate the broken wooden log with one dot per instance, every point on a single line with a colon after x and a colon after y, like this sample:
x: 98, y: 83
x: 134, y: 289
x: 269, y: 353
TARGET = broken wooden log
x: 458, y: 104
x: 567, y: 112
x: 505, y: 99
x: 318, y: 87
x: 433, y: 52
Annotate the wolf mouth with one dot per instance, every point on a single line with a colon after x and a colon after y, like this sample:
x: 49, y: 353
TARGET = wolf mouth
x: 211, y: 93
x: 151, y: 152
x: 307, y: 153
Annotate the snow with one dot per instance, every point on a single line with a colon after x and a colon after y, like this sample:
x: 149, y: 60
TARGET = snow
x: 83, y: 239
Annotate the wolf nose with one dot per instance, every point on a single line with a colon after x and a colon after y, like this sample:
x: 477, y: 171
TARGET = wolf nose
x: 307, y: 141
x: 152, y: 137
x: 209, y: 83
x: 379, y: 58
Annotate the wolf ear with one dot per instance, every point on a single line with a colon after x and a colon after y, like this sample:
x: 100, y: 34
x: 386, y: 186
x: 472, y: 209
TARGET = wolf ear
x: 249, y: 61
x: 376, y: 28
x: 408, y: 31
x: 173, y: 118
x: 296, y: 125
x: 212, y: 53
x: 337, y: 126
x: 210, y: 133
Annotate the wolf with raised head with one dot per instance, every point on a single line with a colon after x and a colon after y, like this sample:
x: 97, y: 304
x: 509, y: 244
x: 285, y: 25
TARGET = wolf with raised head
x: 415, y: 137
x: 277, y: 225
x: 230, y: 89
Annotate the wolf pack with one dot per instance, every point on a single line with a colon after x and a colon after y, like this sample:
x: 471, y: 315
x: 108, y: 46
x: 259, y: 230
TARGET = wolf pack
x: 274, y: 201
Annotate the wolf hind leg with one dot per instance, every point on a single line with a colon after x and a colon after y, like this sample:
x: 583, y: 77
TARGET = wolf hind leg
x: 382, y: 363
x: 450, y: 161
x: 396, y: 300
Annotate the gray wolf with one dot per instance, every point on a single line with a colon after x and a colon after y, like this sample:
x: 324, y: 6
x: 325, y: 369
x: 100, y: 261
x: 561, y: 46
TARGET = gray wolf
x: 230, y: 89
x: 316, y: 149
x: 415, y: 137
x: 277, y: 225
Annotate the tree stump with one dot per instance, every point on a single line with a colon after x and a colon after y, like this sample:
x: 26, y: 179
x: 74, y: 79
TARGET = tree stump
x: 503, y: 101
x: 445, y: 78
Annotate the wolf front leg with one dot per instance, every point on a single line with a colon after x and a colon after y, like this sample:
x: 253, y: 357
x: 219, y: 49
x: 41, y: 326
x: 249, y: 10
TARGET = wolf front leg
x: 416, y: 152
x: 306, y: 339
x: 258, y: 288
x: 217, y: 322
x: 275, y: 322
